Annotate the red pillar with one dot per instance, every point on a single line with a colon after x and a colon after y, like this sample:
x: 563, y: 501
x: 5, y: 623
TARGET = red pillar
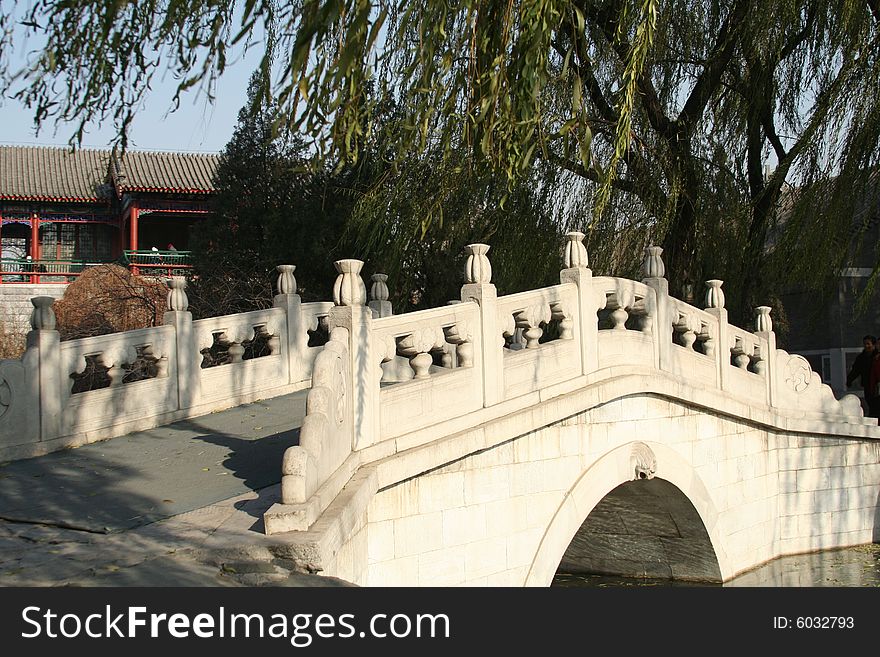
x: 133, y: 229
x: 133, y: 232
x: 35, y: 246
x: 1, y: 248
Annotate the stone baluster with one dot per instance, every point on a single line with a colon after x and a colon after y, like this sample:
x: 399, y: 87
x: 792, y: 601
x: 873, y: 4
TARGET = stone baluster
x: 740, y: 357
x: 766, y: 366
x: 186, y: 352
x: 379, y: 302
x: 560, y: 313
x: 295, y: 338
x: 44, y: 350
x: 116, y: 374
x: 530, y: 320
x: 460, y: 334
x: 446, y: 359
x: 478, y: 287
x: 618, y: 302
x: 653, y: 275
x: 386, y: 350
x: 235, y: 351
x: 707, y: 340
x: 714, y: 302
x: 686, y: 327
x: 417, y: 346
x: 350, y: 312
x: 759, y: 365
x: 576, y: 270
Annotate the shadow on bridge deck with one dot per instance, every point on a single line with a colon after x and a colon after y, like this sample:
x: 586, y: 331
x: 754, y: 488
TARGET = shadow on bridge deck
x: 145, y: 476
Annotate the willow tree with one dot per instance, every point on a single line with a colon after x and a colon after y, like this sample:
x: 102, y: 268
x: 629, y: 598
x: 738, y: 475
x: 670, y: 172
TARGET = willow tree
x: 663, y: 114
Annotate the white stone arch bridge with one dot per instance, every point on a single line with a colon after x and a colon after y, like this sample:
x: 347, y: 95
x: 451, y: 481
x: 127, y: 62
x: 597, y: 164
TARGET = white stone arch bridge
x: 599, y: 424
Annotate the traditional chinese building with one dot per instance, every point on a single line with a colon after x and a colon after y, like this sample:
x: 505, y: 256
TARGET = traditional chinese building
x: 63, y: 211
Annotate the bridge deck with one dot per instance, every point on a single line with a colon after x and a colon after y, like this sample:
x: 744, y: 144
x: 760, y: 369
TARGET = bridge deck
x: 145, y: 476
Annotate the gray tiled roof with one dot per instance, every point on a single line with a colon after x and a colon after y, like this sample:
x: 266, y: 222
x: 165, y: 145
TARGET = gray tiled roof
x: 42, y: 173
x: 165, y: 172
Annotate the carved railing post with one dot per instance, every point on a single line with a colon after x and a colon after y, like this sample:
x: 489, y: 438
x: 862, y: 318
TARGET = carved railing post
x: 379, y: 302
x: 295, y: 341
x: 714, y: 302
x: 575, y: 262
x: 479, y: 288
x: 177, y: 300
x: 653, y: 275
x: 44, y: 352
x: 185, y: 353
x: 575, y: 255
x: 286, y: 281
x: 714, y: 294
x: 351, y: 312
x: 767, y: 365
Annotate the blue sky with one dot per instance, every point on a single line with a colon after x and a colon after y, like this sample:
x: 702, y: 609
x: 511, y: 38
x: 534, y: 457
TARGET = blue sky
x: 196, y: 125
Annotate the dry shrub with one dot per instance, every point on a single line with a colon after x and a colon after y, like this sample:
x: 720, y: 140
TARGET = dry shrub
x: 11, y: 342
x: 109, y: 299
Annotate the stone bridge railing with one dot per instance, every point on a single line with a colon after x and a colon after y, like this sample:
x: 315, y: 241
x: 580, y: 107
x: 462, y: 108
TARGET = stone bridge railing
x: 384, y: 383
x: 396, y: 383
x: 62, y: 394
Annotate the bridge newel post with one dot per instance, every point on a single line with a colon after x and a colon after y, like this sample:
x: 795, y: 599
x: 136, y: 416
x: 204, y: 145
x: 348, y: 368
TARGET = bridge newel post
x: 185, y: 350
x: 44, y: 353
x: 379, y: 302
x: 351, y: 312
x: 714, y: 305
x: 479, y: 288
x: 297, y: 338
x: 653, y: 275
x: 575, y: 270
x: 764, y: 330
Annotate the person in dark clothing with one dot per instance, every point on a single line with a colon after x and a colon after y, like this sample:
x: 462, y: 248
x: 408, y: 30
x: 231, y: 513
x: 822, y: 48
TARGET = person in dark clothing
x: 861, y: 370
x: 873, y: 392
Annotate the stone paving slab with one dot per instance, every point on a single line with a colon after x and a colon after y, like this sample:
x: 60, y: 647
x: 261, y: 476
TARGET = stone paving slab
x: 218, y: 545
x: 146, y: 476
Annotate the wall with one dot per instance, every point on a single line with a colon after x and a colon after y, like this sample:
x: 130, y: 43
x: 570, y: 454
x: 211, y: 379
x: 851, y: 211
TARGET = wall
x: 15, y: 302
x: 505, y: 516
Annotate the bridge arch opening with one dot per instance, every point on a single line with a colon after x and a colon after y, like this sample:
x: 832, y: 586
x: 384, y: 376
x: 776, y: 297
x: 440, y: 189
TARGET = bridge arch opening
x: 620, y: 468
x: 645, y: 528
